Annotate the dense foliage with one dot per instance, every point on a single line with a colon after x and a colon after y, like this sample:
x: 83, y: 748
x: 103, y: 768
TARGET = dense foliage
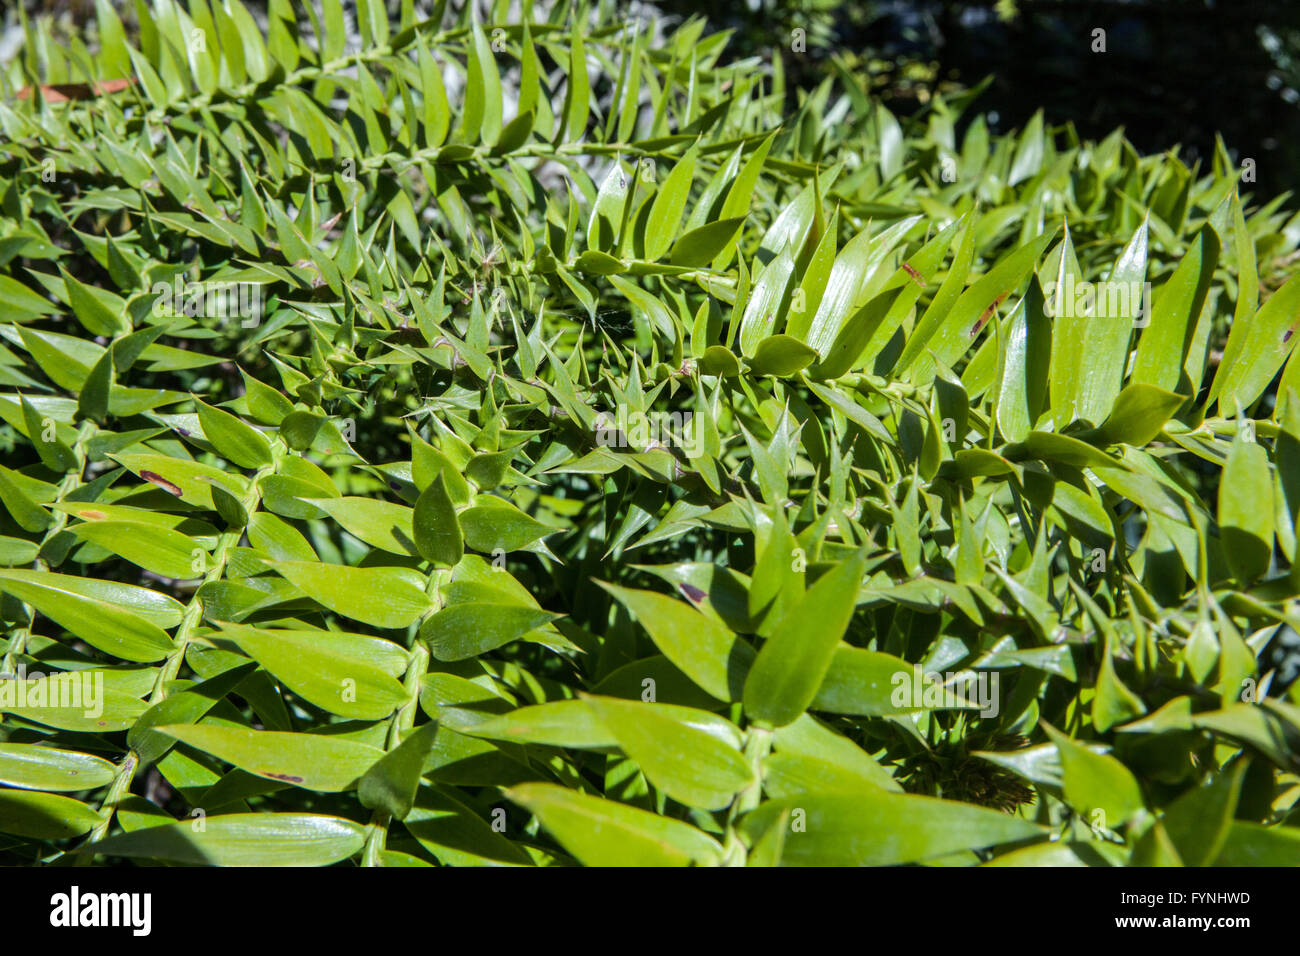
x: 527, y: 442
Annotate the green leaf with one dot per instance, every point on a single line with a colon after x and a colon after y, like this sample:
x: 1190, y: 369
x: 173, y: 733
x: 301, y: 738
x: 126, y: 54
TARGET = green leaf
x: 64, y: 359
x: 1096, y: 782
x: 767, y: 301
x: 1253, y: 844
x: 53, y: 452
x: 811, y: 758
x: 437, y: 529
x: 698, y: 246
x: 311, y: 761
x: 1246, y: 514
x: 1256, y: 725
x: 1029, y: 151
x: 975, y: 309
x: 34, y: 767
x: 1104, y: 347
x: 1176, y: 306
x: 456, y: 835
x: 855, y: 335
x: 515, y: 134
x: 878, y: 828
x: 791, y: 665
x: 190, y: 481
x: 604, y: 833
x: 243, y: 839
x: 844, y: 291
x: 53, y: 701
x: 187, y: 706
x: 1243, y: 313
x: 1200, y: 821
x: 605, y: 227
x: 493, y: 524
x: 233, y: 439
x: 1269, y: 338
x: 463, y: 631
x: 666, y: 211
x: 352, y: 675
x: 382, y: 597
x: 579, y: 91
x: 703, y: 649
x: 1114, y: 703
x: 678, y: 749
x: 1139, y: 414
x: 740, y: 195
x: 812, y: 286
x: 1049, y: 446
x: 44, y: 816
x: 378, y: 523
x: 100, y: 623
x: 229, y: 507
x: 21, y: 303
x: 92, y: 402
x: 101, y: 312
x: 27, y: 514
x: 391, y: 783
x: 775, y: 584
x: 160, y: 550
x: 556, y: 723
x: 937, y: 312
x: 147, y: 605
x: 278, y: 538
x: 437, y: 113
x: 864, y: 682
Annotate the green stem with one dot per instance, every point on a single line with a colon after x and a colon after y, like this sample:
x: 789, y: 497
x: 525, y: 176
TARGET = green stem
x: 215, y: 569
x: 171, y: 668
x: 71, y: 481
x: 376, y: 835
x: 120, y: 787
x: 758, y: 744
x: 403, y: 720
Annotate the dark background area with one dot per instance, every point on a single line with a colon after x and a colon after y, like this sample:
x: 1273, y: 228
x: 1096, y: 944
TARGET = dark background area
x: 1174, y: 71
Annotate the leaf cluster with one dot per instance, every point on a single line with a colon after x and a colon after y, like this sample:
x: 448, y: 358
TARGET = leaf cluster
x: 526, y: 441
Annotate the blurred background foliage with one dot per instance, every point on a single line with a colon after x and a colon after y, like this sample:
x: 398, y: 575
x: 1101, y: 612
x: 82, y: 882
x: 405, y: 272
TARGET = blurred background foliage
x: 1174, y: 71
